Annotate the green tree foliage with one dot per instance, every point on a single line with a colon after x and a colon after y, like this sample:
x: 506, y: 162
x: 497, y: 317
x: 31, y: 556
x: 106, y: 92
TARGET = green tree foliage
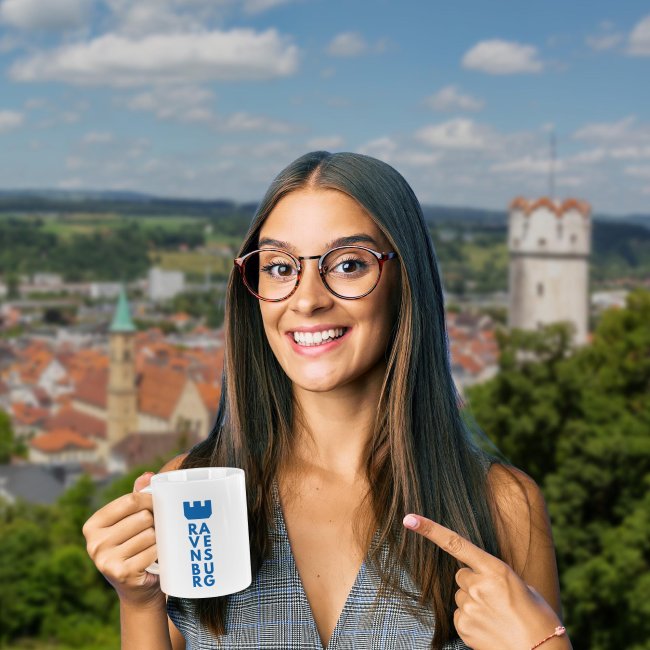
x: 50, y: 588
x: 578, y: 421
x: 7, y: 442
x: 208, y: 305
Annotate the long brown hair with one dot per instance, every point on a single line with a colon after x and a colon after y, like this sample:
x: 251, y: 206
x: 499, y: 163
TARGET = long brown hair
x: 422, y: 457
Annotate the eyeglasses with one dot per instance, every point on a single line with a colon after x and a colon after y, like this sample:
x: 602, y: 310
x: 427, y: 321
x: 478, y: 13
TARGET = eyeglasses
x: 349, y: 272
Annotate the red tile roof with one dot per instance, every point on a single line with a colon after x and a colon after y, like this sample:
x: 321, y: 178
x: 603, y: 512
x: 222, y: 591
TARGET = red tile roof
x: 28, y: 415
x: 210, y: 395
x: 60, y: 440
x: 145, y: 448
x: 92, y: 388
x: 528, y: 207
x: 159, y: 389
x: 69, y: 418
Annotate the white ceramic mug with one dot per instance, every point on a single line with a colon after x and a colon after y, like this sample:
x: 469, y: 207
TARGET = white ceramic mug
x: 201, y: 524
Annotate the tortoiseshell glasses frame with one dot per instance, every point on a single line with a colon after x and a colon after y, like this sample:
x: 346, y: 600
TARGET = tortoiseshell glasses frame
x: 382, y: 258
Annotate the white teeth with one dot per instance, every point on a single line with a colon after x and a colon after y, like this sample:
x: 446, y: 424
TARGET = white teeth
x: 317, y: 338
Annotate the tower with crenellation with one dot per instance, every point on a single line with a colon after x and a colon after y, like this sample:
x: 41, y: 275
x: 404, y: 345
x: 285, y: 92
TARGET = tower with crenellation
x: 549, y: 243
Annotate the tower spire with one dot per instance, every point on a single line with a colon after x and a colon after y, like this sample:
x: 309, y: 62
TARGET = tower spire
x: 122, y: 317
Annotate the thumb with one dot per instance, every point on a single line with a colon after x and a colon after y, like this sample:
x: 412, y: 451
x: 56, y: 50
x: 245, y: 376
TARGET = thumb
x: 142, y: 481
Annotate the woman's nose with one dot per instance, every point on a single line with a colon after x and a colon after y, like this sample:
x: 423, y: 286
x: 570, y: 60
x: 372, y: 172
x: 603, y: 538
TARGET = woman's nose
x: 311, y: 294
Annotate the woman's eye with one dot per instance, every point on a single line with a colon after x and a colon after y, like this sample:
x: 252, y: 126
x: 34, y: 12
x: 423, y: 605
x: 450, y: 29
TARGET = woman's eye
x: 349, y: 266
x: 278, y: 269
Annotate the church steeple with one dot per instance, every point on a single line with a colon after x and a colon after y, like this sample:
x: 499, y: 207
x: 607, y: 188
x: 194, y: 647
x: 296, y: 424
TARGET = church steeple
x: 122, y: 317
x: 122, y: 394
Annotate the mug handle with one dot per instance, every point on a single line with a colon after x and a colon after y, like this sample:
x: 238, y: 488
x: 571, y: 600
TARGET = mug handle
x: 154, y: 567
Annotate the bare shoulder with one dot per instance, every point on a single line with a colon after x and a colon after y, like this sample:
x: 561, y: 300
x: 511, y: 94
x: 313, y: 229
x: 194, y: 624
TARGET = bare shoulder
x: 514, y: 492
x: 174, y: 463
x: 521, y: 517
x: 523, y: 528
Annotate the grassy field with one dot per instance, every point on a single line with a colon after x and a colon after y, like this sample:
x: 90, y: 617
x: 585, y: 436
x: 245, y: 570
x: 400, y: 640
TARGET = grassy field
x: 193, y: 263
x: 67, y: 225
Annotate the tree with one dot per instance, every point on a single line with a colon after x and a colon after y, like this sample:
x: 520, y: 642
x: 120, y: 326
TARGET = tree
x: 6, y: 438
x: 578, y: 422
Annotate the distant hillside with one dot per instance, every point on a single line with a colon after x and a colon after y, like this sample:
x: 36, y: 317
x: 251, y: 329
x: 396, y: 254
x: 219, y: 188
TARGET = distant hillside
x: 137, y: 204
x: 127, y: 203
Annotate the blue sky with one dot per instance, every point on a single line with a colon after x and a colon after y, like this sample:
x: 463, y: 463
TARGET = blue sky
x: 211, y: 98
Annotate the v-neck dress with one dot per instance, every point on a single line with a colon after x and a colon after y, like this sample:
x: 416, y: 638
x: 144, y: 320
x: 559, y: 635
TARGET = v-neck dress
x: 273, y: 612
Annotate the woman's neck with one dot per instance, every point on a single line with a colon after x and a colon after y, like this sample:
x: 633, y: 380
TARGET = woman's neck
x: 334, y: 428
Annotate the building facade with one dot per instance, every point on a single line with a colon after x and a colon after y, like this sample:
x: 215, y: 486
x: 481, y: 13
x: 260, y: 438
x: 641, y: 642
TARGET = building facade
x: 549, y: 245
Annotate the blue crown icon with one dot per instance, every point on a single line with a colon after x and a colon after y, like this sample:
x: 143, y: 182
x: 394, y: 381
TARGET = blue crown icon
x: 197, y: 510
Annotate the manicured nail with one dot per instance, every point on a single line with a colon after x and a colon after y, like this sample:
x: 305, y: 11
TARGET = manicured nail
x: 410, y: 521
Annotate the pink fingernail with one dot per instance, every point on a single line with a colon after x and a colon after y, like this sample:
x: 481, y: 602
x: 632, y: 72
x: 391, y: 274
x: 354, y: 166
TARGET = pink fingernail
x: 410, y: 521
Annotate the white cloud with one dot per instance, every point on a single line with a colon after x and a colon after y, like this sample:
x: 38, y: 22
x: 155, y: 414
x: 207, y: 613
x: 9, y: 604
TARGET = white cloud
x: 10, y: 120
x: 450, y: 98
x: 606, y: 131
x: 640, y: 171
x: 606, y: 38
x: 182, y: 103
x: 258, y: 6
x: 459, y: 133
x: 502, y: 57
x: 632, y: 152
x: 639, y: 40
x: 112, y: 59
x: 243, y: 121
x: 44, y: 14
x: 193, y: 104
x: 601, y: 42
x: 589, y: 156
x: 528, y: 165
x: 347, y: 44
x: 97, y: 137
x: 383, y: 147
x: 144, y: 17
x: 325, y: 143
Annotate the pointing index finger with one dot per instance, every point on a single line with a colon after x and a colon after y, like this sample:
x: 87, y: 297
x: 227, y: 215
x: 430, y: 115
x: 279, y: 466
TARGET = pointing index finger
x: 451, y: 542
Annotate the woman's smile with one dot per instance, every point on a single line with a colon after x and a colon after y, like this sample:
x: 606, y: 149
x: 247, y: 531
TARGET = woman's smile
x: 318, y: 339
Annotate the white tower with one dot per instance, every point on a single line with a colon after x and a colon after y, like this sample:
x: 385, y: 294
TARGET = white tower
x: 549, y: 245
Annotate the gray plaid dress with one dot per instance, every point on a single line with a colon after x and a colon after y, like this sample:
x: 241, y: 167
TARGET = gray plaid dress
x: 273, y: 613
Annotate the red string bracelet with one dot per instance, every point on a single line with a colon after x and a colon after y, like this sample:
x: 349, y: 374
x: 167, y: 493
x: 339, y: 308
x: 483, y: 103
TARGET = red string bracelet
x: 559, y: 631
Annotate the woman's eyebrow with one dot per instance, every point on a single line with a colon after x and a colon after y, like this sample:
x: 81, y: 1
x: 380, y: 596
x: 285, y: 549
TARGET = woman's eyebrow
x: 339, y: 241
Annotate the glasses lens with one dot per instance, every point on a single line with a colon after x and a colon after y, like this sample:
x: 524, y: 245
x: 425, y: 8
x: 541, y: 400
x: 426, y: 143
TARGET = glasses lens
x: 351, y: 272
x: 271, y: 274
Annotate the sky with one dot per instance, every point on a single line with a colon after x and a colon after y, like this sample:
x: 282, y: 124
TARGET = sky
x: 212, y: 98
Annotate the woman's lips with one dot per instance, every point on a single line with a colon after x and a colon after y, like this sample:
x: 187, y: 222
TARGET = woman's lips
x: 316, y: 350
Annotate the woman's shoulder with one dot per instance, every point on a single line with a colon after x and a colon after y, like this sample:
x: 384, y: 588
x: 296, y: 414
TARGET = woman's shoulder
x: 173, y: 464
x: 521, y: 517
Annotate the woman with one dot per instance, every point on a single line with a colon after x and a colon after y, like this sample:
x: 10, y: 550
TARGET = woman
x: 338, y: 402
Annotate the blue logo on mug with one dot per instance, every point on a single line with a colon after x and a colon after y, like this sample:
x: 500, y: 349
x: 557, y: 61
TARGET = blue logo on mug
x: 200, y: 539
x: 196, y: 510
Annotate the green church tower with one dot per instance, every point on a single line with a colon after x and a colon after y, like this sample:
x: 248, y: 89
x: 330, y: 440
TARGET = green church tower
x: 122, y: 399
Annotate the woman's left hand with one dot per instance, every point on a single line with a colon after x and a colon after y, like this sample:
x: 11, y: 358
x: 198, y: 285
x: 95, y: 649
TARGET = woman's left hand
x: 496, y: 609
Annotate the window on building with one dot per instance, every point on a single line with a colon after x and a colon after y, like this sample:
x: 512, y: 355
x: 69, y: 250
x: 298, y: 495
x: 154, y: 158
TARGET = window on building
x: 540, y: 289
x: 541, y: 241
x: 573, y: 238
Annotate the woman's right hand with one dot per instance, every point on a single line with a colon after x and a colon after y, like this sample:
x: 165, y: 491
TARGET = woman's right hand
x: 120, y: 540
